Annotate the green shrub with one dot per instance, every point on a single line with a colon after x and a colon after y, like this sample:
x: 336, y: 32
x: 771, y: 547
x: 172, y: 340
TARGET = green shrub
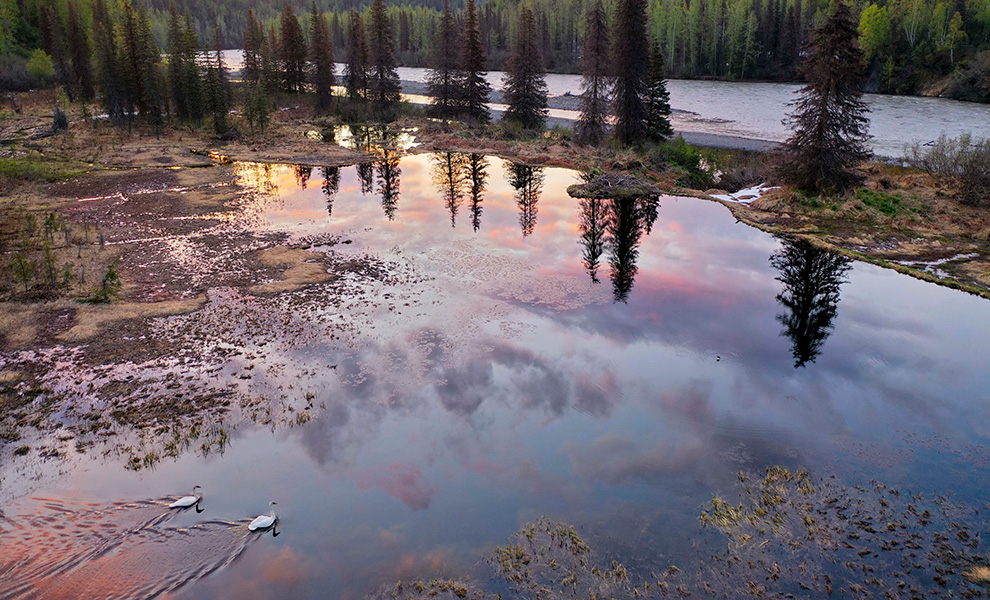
x: 40, y: 68
x: 888, y: 204
x: 697, y: 172
x: 109, y: 287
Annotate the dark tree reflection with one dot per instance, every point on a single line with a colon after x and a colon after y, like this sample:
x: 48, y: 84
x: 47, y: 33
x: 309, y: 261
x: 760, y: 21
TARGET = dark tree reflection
x: 388, y: 181
x: 812, y: 279
x: 625, y: 228
x: 331, y: 185
x: 478, y: 175
x: 593, y: 222
x: 528, y: 182
x: 366, y: 175
x: 450, y: 177
x: 649, y: 209
x: 303, y: 174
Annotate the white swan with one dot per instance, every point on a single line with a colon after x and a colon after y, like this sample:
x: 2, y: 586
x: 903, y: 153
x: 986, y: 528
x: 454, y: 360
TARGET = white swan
x: 264, y: 521
x: 187, y: 501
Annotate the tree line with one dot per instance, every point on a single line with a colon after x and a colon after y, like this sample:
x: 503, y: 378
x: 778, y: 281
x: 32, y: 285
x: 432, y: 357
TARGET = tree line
x: 908, y: 43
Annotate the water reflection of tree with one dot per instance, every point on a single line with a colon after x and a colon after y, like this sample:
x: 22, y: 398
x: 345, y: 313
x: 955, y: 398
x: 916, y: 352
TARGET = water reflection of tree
x: 450, y: 176
x: 528, y: 182
x: 366, y: 176
x: 331, y: 185
x: 625, y: 227
x: 812, y: 279
x: 624, y: 223
x: 388, y: 177
x: 477, y: 174
x: 593, y: 221
x: 303, y: 174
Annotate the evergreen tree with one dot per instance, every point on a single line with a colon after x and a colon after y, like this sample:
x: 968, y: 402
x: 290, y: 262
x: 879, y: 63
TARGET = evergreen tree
x: 384, y: 79
x: 525, y: 88
x: 475, y: 88
x: 356, y: 70
x: 594, y: 220
x: 216, y: 85
x: 192, y: 79
x: 253, y: 39
x: 53, y: 40
x: 292, y: 52
x: 477, y: 175
x: 632, y: 70
x: 812, y: 281
x: 591, y: 127
x: 80, y: 53
x: 111, y: 82
x: 175, y: 43
x: 450, y: 178
x: 388, y: 177
x: 271, y: 77
x: 528, y: 183
x: 657, y: 99
x: 444, y: 79
x: 131, y: 63
x: 152, y: 82
x: 830, y: 123
x: 321, y: 57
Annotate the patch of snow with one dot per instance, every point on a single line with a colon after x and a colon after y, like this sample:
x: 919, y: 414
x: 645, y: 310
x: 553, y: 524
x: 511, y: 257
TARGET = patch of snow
x: 747, y: 195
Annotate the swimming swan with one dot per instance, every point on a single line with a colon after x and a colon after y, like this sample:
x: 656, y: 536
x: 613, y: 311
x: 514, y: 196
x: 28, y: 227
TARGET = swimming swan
x: 264, y: 521
x: 187, y: 501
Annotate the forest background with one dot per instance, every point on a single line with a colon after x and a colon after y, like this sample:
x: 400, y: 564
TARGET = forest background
x: 930, y: 47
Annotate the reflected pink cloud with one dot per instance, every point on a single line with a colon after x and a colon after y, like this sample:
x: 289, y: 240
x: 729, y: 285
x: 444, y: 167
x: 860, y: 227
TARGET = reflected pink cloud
x: 401, y: 481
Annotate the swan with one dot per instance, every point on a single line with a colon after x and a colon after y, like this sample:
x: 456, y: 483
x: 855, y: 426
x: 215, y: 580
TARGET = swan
x: 187, y: 501
x: 264, y: 521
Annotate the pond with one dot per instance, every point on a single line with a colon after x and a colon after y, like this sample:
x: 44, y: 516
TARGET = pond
x: 515, y: 353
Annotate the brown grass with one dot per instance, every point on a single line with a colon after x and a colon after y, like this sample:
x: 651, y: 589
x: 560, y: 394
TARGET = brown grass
x: 303, y: 268
x: 91, y: 319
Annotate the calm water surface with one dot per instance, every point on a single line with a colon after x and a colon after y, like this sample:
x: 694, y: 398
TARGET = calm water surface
x: 511, y: 378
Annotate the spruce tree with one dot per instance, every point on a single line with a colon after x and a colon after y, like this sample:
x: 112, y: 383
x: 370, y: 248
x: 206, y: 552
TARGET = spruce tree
x: 477, y: 175
x: 80, y: 53
x: 830, y: 123
x: 525, y: 88
x: 658, y: 126
x: 131, y: 63
x: 152, y: 82
x: 475, y: 88
x: 632, y: 69
x: 356, y: 70
x: 444, y: 79
x: 253, y: 39
x: 321, y: 56
x: 175, y: 43
x: 591, y: 127
x: 192, y: 79
x: 216, y: 84
x: 111, y: 83
x: 384, y: 79
x: 271, y: 77
x: 53, y: 40
x: 292, y: 52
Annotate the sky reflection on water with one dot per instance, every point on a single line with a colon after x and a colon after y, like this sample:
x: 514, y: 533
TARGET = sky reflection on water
x: 514, y: 385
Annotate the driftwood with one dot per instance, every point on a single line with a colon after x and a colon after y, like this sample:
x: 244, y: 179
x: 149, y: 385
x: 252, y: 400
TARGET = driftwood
x: 613, y: 186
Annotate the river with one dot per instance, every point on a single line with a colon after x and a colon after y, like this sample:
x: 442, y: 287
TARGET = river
x: 756, y: 110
